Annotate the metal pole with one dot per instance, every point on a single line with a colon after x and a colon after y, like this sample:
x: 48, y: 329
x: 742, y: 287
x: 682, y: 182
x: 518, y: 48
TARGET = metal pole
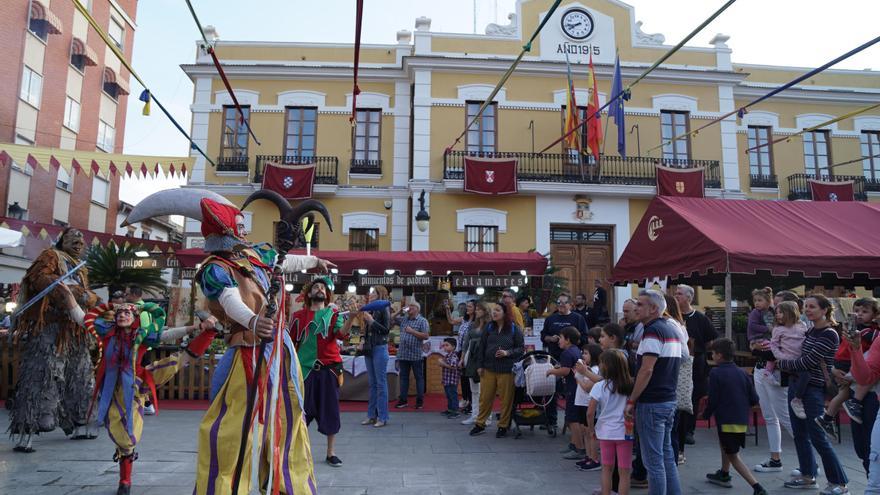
x: 728, y: 306
x: 635, y: 127
x: 532, y: 127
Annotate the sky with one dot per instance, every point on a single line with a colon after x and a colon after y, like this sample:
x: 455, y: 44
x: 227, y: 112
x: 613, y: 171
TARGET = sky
x: 799, y: 33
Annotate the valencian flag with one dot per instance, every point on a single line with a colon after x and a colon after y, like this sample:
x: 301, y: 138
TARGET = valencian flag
x: 833, y: 191
x: 594, y: 122
x: 572, y: 122
x: 615, y: 110
x: 290, y: 181
x: 492, y: 176
x: 687, y: 182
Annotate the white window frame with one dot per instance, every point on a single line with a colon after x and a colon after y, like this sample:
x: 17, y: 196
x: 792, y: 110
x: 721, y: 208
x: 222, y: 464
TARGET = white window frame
x: 106, y: 137
x: 25, y: 168
x: 64, y: 181
x: 120, y: 43
x: 97, y: 179
x: 71, y: 114
x: 31, y: 87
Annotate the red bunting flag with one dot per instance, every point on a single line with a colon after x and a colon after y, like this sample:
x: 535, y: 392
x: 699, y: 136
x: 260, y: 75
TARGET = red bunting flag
x: 157, y: 170
x: 54, y: 162
x: 144, y: 170
x: 492, y: 176
x: 171, y: 169
x: 76, y: 167
x: 96, y: 169
x: 128, y: 169
x: 183, y: 169
x: 290, y: 181
x: 833, y: 191
x: 686, y: 182
x: 32, y: 161
x: 113, y: 169
x: 5, y: 159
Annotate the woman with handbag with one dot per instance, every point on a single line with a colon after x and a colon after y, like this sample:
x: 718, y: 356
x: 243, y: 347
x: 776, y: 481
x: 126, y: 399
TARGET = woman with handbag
x: 470, y: 348
x: 374, y: 340
x: 817, y: 356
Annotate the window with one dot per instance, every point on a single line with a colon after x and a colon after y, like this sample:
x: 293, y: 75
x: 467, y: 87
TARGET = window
x: 31, y: 86
x: 675, y: 123
x: 109, y: 85
x: 871, y: 152
x: 760, y: 160
x: 64, y: 180
x: 235, y: 133
x: 71, y: 114
x: 39, y: 27
x: 480, y: 239
x: 145, y: 234
x: 106, y: 136
x: 299, y: 139
x: 60, y: 223
x: 817, y: 152
x: 100, y: 191
x: 366, y: 138
x: 116, y: 32
x: 363, y: 240
x: 480, y: 137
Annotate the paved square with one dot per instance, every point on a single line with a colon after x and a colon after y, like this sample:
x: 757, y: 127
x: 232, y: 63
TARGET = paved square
x: 417, y: 453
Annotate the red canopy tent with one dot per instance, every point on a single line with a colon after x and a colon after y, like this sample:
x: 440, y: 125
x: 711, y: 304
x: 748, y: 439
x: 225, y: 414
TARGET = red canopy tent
x: 407, y: 262
x: 697, y: 238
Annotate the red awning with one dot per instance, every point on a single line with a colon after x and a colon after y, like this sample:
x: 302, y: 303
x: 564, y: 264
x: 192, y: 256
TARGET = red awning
x: 683, y: 237
x: 79, y: 47
x: 39, y: 12
x: 407, y: 262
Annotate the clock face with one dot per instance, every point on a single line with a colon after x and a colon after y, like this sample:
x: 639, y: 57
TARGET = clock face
x: 577, y: 24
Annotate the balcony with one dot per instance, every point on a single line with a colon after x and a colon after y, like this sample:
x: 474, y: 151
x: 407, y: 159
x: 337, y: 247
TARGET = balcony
x: 768, y: 181
x: 570, y: 168
x: 326, y: 167
x: 371, y: 167
x: 232, y: 164
x: 799, y: 185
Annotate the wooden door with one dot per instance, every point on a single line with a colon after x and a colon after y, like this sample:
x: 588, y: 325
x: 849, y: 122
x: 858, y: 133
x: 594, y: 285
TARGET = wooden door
x: 583, y: 254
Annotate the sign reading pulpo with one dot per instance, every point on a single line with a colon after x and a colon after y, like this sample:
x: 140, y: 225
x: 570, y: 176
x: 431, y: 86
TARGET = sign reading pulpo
x: 488, y: 280
x: 149, y: 263
x: 396, y: 280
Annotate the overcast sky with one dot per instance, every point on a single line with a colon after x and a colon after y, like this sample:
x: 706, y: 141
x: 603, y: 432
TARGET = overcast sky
x: 802, y: 33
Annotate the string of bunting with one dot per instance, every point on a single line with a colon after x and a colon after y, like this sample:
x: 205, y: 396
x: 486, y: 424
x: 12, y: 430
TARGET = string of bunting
x: 815, y: 127
x: 488, y: 101
x: 740, y: 112
x: 109, y: 163
x: 146, y: 96
x: 625, y: 94
x: 49, y: 233
x: 853, y: 161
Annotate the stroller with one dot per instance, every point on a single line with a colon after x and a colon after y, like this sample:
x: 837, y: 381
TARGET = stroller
x: 533, y: 392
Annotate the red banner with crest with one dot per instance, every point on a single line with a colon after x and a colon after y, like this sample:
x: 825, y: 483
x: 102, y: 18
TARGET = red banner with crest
x: 833, y: 191
x: 685, y: 182
x: 290, y: 181
x: 492, y: 176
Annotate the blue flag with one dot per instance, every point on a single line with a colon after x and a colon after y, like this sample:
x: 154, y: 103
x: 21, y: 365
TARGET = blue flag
x: 616, y: 109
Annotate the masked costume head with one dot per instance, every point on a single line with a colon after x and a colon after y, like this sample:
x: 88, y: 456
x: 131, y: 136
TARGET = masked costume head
x: 71, y: 242
x: 222, y: 226
x: 326, y: 286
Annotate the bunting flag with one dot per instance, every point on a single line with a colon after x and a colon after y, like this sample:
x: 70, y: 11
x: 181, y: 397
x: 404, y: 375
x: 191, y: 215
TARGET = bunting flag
x: 171, y: 170
x: 54, y: 162
x: 290, y: 181
x: 32, y: 161
x: 76, y: 167
x: 832, y: 190
x: 183, y: 170
x: 572, y: 122
x: 128, y: 169
x: 687, y: 182
x: 95, y: 167
x: 594, y: 122
x: 48, y: 233
x: 144, y: 170
x: 616, y: 110
x: 490, y: 176
x: 157, y: 171
x: 145, y: 97
x: 5, y: 159
x: 113, y: 170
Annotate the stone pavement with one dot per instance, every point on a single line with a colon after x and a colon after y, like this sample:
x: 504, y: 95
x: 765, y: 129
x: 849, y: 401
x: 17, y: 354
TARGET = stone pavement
x: 417, y: 453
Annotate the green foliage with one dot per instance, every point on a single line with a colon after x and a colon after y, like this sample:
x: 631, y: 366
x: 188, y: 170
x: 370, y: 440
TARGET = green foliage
x: 551, y: 286
x: 104, y: 271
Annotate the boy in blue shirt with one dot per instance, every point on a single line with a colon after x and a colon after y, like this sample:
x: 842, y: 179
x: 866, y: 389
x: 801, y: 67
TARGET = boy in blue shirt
x: 575, y: 416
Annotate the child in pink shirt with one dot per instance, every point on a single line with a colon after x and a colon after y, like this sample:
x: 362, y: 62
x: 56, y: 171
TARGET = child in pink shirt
x: 785, y: 343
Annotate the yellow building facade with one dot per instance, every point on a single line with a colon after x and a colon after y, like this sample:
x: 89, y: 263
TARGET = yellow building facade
x: 417, y: 95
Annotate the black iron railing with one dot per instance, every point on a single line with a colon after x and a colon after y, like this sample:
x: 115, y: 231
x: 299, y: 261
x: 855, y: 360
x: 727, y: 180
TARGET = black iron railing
x: 763, y: 181
x: 232, y: 164
x: 799, y: 185
x: 365, y: 167
x: 580, y: 169
x: 326, y: 167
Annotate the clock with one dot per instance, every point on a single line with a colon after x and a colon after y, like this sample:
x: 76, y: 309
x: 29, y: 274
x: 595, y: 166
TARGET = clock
x: 577, y: 24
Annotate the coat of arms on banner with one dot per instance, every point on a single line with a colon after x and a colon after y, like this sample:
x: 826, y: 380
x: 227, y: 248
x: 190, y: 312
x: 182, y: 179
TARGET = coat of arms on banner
x: 832, y: 197
x: 287, y: 182
x: 679, y: 187
x: 582, y: 211
x: 490, y: 176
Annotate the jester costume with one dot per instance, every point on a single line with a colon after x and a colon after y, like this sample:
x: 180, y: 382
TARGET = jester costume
x: 56, y: 377
x: 123, y: 384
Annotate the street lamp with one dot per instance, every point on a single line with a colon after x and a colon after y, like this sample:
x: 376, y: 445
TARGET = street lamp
x: 422, y: 217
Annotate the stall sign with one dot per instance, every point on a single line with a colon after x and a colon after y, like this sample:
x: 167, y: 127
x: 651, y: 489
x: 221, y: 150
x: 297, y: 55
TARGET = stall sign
x: 187, y: 273
x: 488, y: 280
x: 154, y: 261
x: 300, y: 278
x: 395, y: 280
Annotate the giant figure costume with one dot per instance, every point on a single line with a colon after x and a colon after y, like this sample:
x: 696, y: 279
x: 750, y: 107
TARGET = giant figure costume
x: 55, y: 375
x: 236, y: 278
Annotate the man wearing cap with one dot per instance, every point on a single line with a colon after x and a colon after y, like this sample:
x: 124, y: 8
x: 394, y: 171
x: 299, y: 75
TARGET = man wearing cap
x: 315, y: 329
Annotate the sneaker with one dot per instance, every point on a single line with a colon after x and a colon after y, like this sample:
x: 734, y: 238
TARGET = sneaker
x: 720, y: 478
x: 637, y: 483
x: 573, y: 455
x: 797, y: 407
x: 586, y: 460
x: 420, y: 405
x: 477, y: 430
x: 827, y: 427
x: 770, y: 466
x: 453, y: 415
x: 801, y: 483
x: 400, y: 405
x: 759, y: 490
x: 150, y: 410
x: 501, y: 433
x: 681, y: 459
x: 567, y: 449
x: 333, y: 461
x: 379, y: 424
x: 368, y: 421
x: 689, y: 439
x: 832, y: 489
x: 853, y: 409
x: 469, y: 421
x: 590, y: 466
x: 446, y: 412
